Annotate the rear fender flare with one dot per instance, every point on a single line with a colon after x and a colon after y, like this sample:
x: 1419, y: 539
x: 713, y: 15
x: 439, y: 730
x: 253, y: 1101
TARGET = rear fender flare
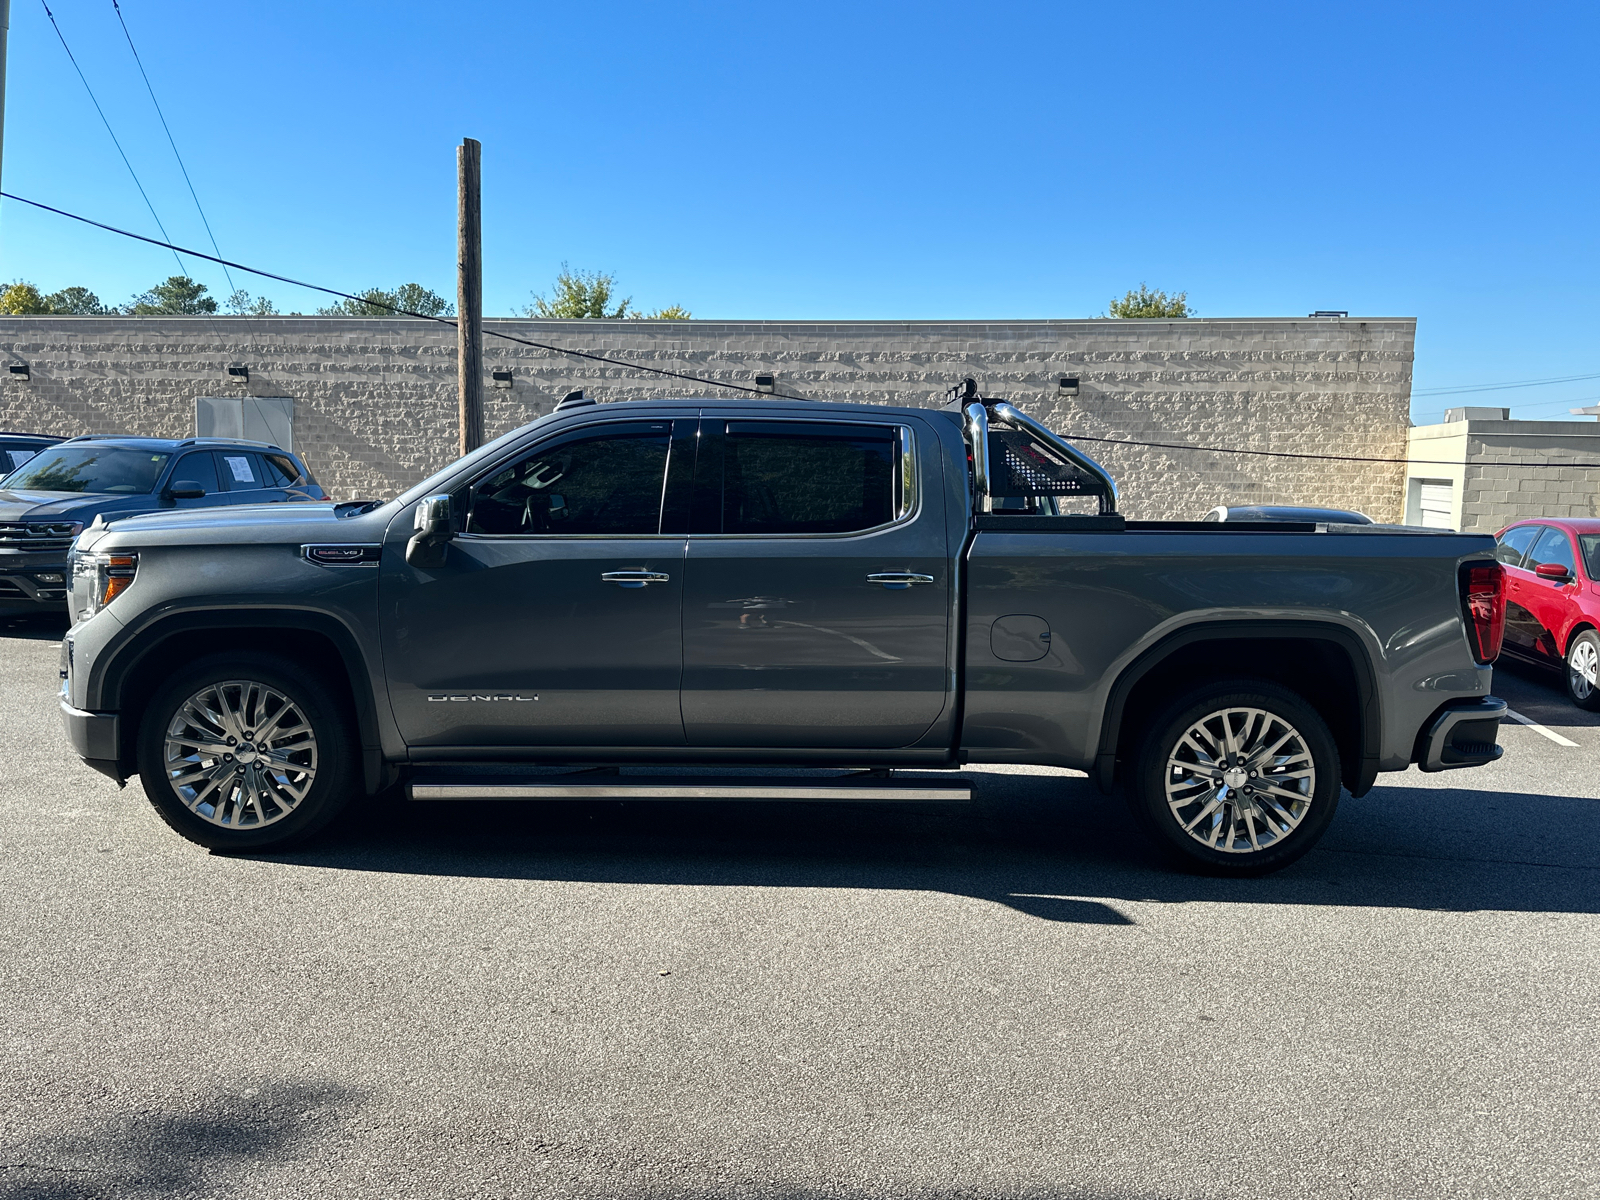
x: 1370, y: 726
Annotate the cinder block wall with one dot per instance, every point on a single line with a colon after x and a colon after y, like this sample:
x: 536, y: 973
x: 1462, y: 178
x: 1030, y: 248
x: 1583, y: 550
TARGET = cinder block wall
x: 1493, y: 496
x: 375, y: 406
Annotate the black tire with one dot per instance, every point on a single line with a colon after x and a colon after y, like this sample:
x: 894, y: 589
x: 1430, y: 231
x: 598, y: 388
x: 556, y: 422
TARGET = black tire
x: 281, y: 818
x: 1248, y: 817
x: 1583, y: 670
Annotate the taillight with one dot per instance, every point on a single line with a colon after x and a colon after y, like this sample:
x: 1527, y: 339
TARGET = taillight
x: 1483, y: 603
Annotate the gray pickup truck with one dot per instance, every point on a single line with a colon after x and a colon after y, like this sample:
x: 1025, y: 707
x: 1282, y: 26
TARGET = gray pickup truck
x: 690, y: 584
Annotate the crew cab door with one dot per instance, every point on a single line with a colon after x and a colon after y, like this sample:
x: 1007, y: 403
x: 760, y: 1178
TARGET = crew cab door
x: 817, y: 588
x: 555, y: 617
x: 1550, y: 602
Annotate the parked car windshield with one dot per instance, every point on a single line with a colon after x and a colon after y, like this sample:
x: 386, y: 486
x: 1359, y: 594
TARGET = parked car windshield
x: 88, y: 469
x: 1591, y: 553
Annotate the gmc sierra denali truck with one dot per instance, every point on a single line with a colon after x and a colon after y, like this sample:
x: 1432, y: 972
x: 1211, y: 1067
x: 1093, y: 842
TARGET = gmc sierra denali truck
x: 679, y: 583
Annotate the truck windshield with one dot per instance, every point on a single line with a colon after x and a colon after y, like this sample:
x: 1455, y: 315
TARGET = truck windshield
x: 88, y: 469
x: 1591, y: 553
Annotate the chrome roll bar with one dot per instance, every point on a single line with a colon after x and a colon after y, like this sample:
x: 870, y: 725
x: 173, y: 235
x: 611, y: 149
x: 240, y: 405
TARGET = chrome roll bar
x: 1014, y: 416
x: 977, y: 423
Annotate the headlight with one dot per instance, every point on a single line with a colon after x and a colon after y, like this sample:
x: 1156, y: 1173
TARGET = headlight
x: 52, y: 530
x: 98, y: 579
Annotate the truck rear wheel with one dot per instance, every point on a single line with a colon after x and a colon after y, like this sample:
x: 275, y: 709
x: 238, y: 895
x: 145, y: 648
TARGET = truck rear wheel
x: 1236, y: 778
x: 246, y: 752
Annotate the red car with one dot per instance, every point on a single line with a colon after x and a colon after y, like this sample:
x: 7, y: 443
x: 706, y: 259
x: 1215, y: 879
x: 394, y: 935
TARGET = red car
x: 1553, y: 599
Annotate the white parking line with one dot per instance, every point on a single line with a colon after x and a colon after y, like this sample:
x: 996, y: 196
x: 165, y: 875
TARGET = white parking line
x: 1538, y: 728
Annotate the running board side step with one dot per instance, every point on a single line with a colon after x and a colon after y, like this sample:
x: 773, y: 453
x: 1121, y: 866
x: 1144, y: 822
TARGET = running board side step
x: 863, y: 788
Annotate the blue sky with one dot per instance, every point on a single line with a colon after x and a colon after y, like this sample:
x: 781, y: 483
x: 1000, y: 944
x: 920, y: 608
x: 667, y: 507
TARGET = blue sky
x: 855, y: 160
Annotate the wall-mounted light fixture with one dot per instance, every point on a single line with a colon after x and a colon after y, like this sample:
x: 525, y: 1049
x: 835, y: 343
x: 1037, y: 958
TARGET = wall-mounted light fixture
x: 501, y: 379
x: 1329, y: 312
x: 19, y: 371
x: 766, y: 383
x: 1068, y: 385
x: 238, y: 374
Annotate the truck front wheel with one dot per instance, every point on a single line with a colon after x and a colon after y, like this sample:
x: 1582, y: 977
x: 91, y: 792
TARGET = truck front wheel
x: 246, y: 752
x: 1236, y: 778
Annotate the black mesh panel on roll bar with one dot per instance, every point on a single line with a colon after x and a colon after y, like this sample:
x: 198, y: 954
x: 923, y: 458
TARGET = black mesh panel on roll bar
x: 1020, y: 466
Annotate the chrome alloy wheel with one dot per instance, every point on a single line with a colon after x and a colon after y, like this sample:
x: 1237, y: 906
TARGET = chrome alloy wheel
x: 240, y: 754
x: 1240, y: 780
x: 1583, y: 670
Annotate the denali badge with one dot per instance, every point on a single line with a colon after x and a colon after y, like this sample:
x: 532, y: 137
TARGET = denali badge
x: 467, y: 697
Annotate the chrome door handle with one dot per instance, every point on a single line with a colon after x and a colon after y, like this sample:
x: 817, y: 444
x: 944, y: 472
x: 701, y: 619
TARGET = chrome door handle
x: 898, y: 580
x: 634, y: 579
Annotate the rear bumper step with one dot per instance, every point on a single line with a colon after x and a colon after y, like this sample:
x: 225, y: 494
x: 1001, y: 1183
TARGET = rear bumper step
x: 864, y: 788
x: 1464, y: 735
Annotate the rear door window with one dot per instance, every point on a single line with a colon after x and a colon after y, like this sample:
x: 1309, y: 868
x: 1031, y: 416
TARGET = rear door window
x: 241, y: 470
x: 197, y: 468
x: 1553, y: 546
x: 808, y: 477
x: 1513, y: 544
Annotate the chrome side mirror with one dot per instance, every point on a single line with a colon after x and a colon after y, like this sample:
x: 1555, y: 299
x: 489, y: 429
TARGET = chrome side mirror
x: 433, y: 532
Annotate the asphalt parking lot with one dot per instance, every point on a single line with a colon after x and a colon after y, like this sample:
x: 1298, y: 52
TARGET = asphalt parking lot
x: 608, y: 1000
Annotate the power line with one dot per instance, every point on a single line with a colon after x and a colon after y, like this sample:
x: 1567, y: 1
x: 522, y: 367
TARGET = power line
x: 404, y: 312
x: 1421, y: 462
x: 170, y: 141
x: 114, y: 141
x: 1500, y: 387
x: 617, y: 362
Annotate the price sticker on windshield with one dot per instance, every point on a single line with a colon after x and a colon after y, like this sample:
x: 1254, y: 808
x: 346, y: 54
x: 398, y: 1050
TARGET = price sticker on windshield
x: 240, y: 467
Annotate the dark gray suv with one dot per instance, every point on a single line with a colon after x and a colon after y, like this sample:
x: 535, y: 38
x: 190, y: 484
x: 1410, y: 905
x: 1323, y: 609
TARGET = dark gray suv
x: 56, y: 493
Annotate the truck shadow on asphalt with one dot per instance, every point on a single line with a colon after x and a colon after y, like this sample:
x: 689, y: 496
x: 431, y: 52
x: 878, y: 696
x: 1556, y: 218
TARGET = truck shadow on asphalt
x: 1048, y: 846
x: 199, y: 1146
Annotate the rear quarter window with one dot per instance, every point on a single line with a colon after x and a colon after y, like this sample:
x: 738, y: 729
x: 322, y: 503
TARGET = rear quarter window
x: 283, y: 471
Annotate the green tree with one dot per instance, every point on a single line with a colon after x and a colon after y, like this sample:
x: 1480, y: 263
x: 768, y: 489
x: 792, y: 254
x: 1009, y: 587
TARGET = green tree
x: 1145, y: 303
x: 178, y: 295
x: 375, y: 302
x: 76, y: 302
x: 242, y: 304
x: 672, y: 312
x: 580, y: 295
x: 23, y: 300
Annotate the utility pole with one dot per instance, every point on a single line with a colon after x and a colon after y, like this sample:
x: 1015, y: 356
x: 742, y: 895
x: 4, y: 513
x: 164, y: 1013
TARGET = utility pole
x: 469, y: 295
x: 5, y: 34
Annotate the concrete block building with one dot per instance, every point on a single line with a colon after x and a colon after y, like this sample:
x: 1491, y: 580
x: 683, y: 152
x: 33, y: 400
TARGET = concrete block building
x: 371, y: 402
x: 1479, y: 470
